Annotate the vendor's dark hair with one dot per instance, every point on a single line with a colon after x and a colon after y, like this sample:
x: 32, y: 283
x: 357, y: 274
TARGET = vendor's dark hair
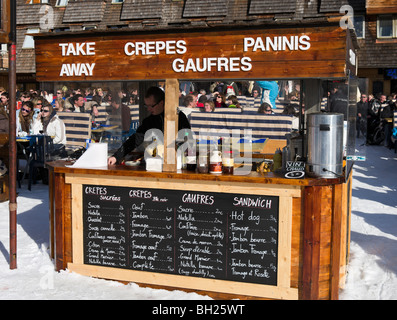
x: 116, y: 100
x: 156, y: 92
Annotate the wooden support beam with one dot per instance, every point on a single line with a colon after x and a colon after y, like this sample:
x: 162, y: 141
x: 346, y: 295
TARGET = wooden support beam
x: 311, y: 244
x: 170, y: 124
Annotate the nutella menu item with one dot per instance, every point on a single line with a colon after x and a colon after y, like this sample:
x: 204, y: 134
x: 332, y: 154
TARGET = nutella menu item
x: 199, y: 234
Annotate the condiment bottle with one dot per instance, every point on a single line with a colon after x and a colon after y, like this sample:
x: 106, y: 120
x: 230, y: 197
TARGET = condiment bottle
x: 216, y: 162
x: 191, y: 160
x: 228, y: 162
x: 202, y: 164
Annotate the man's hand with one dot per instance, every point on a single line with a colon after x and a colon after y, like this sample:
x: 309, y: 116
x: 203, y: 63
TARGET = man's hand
x: 112, y: 161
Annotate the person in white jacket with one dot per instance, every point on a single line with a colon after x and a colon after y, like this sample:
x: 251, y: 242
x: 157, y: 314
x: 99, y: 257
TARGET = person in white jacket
x: 25, y: 119
x: 49, y: 123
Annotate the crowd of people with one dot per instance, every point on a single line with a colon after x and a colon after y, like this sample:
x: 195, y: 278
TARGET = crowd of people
x: 375, y: 118
x: 37, y: 110
x: 34, y: 115
x: 224, y: 95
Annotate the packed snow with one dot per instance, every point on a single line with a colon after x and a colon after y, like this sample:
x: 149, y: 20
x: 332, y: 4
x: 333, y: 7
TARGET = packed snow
x: 372, y: 271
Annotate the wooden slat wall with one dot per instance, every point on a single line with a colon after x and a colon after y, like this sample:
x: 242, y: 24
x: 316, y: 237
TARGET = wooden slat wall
x: 195, y: 8
x: 381, y: 6
x: 141, y: 9
x: 322, y: 242
x: 269, y: 6
x: 84, y: 11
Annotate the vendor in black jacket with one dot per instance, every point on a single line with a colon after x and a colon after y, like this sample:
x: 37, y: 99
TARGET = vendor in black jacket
x: 154, y: 102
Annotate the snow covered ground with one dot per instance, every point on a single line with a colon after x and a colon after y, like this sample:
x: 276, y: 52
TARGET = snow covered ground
x: 372, y: 272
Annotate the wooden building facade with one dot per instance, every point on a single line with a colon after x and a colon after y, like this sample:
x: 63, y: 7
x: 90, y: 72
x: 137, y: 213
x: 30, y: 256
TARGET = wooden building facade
x: 376, y: 66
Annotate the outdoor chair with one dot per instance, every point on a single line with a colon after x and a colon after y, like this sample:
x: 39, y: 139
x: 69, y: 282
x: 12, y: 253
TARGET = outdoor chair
x: 41, y: 147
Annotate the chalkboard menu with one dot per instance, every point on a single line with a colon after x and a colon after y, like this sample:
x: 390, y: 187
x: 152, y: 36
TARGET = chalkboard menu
x: 200, y: 234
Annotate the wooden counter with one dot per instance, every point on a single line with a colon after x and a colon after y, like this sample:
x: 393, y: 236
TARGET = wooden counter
x: 312, y: 227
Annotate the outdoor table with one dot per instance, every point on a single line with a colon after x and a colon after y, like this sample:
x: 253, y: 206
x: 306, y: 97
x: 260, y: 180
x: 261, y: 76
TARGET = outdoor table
x: 101, y: 130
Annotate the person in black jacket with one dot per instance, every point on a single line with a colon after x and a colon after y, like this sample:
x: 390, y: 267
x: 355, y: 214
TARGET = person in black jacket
x: 386, y: 111
x: 361, y: 121
x: 339, y: 102
x: 154, y: 102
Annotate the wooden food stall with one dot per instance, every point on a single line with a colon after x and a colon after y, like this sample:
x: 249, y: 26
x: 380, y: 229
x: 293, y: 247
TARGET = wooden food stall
x: 256, y: 235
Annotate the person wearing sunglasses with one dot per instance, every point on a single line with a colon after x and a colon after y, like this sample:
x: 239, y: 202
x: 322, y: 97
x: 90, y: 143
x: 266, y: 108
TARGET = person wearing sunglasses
x: 219, y: 100
x: 37, y: 105
x: 58, y: 95
x: 154, y: 103
x: 25, y: 119
x: 49, y: 123
x: 265, y: 108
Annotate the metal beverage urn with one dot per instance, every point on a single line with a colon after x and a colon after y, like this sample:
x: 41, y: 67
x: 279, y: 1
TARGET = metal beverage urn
x: 325, y: 145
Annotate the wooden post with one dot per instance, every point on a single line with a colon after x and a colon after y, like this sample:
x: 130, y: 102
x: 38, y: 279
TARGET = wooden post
x: 59, y: 180
x: 311, y: 243
x: 336, y: 241
x: 170, y: 124
x: 12, y: 80
x: 51, y: 195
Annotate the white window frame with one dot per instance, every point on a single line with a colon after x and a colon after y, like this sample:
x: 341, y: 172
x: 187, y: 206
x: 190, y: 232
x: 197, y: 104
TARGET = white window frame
x: 362, y: 26
x: 61, y: 3
x: 40, y: 2
x: 117, y: 1
x: 28, y: 42
x: 394, y: 26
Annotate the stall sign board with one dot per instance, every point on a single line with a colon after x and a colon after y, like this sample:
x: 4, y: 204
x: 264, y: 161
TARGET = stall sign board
x: 221, y: 236
x: 304, y: 52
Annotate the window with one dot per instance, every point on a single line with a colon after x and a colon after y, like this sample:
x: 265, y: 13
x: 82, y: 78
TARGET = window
x: 61, y: 3
x: 28, y: 42
x: 117, y: 1
x: 386, y: 26
x: 359, y: 26
x: 90, y: 27
x: 37, y: 1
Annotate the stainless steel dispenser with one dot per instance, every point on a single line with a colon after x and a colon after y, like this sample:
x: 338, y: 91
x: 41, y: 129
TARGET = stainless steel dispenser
x: 325, y: 145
